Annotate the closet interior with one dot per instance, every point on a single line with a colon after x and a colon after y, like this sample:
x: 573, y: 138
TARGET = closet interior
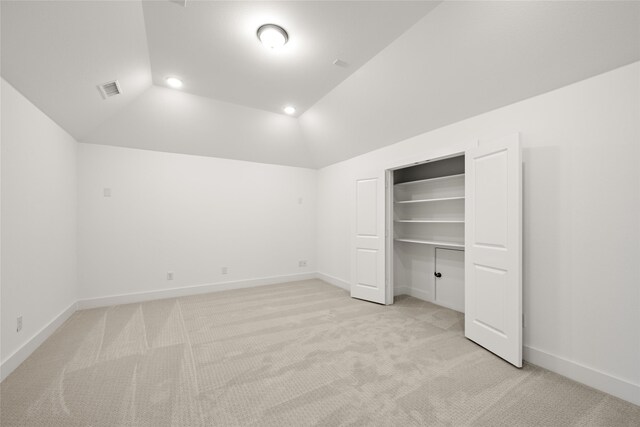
x: 428, y: 231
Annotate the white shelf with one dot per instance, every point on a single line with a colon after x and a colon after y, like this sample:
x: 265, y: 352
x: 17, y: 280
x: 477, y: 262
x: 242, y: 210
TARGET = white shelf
x: 440, y: 178
x: 436, y: 221
x: 441, y: 199
x: 432, y: 242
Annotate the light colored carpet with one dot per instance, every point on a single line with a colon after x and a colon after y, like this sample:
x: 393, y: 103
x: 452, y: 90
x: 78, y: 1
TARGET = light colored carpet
x: 293, y: 354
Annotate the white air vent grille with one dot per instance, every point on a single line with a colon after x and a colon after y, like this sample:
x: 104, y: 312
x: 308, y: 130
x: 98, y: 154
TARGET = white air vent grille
x: 110, y: 89
x: 340, y: 63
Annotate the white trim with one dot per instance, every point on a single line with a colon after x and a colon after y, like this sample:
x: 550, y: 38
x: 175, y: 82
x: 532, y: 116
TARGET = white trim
x: 573, y: 370
x: 416, y: 293
x: 332, y: 280
x: 584, y: 374
x: 397, y: 290
x: 401, y: 290
x: 420, y: 294
x: 188, y: 290
x: 20, y: 355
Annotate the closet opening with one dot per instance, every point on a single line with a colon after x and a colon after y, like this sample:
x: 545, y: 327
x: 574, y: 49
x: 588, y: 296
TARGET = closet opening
x: 426, y: 223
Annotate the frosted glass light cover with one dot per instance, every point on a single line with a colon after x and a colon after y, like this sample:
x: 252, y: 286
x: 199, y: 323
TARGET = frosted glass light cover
x: 272, y: 36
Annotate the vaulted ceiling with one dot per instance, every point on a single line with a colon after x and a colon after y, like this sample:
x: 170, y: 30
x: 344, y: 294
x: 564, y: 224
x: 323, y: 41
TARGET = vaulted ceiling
x: 410, y: 67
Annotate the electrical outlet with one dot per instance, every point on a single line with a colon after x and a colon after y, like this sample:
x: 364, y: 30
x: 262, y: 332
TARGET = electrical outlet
x: 302, y: 263
x: 224, y: 270
x: 19, y: 324
x: 170, y: 275
x: 106, y: 192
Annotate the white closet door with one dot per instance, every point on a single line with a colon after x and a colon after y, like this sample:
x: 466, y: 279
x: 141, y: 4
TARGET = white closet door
x: 493, y: 248
x: 368, y: 247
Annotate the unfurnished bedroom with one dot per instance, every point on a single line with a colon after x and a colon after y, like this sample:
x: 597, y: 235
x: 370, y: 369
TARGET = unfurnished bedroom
x: 320, y: 213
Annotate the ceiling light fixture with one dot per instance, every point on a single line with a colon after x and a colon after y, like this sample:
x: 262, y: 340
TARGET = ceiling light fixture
x: 272, y: 36
x: 174, y: 82
x: 289, y: 109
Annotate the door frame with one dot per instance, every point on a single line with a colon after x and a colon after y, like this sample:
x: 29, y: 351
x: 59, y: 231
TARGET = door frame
x: 388, y: 236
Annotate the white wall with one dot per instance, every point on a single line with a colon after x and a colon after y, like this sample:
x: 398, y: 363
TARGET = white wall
x: 38, y: 223
x: 465, y: 58
x: 190, y: 215
x: 581, y: 146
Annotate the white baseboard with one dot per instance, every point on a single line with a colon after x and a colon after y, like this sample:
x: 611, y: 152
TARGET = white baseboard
x: 573, y: 370
x: 343, y: 284
x: 398, y: 290
x: 188, y: 290
x: 408, y: 290
x: 401, y: 290
x: 420, y: 294
x: 584, y: 374
x: 20, y: 355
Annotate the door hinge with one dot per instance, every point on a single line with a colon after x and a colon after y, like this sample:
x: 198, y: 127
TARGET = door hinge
x: 523, y: 320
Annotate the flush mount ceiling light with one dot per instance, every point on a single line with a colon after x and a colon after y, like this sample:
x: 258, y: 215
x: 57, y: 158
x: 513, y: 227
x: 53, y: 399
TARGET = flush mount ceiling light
x: 272, y: 36
x: 174, y: 82
x: 289, y: 109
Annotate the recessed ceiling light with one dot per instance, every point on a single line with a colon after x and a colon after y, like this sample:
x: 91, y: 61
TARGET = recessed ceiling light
x: 174, y: 82
x: 272, y: 36
x: 289, y: 109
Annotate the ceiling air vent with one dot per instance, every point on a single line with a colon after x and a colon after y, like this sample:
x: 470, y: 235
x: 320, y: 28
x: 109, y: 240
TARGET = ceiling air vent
x: 110, y: 89
x: 340, y: 63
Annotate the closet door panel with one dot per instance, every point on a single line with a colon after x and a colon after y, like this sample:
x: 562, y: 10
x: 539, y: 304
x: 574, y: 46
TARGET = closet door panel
x: 491, y: 199
x: 367, y: 252
x: 493, y: 245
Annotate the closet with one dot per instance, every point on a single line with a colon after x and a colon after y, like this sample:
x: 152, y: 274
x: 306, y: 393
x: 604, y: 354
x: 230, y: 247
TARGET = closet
x: 446, y: 227
x: 428, y: 225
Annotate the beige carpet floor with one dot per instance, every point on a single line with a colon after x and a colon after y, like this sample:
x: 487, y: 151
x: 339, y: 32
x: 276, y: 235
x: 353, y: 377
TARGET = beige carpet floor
x: 293, y: 354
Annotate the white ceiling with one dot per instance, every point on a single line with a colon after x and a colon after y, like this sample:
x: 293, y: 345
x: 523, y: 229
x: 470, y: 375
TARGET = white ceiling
x: 467, y: 58
x: 57, y: 52
x: 213, y: 46
x: 164, y: 119
x: 460, y: 59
